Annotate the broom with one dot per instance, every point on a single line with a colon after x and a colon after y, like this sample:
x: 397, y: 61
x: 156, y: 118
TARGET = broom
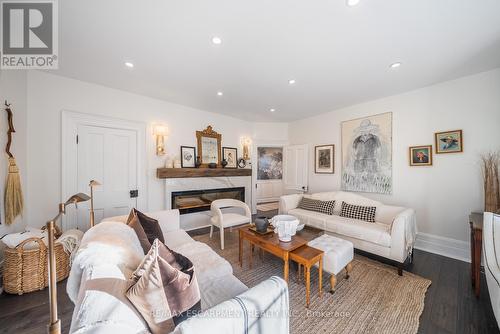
x: 14, y: 202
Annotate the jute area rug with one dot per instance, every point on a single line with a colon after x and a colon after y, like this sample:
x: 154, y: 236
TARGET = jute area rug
x: 373, y: 300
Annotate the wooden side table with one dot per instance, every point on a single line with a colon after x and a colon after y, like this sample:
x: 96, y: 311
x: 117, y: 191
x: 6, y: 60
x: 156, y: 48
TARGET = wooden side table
x: 308, y: 256
x: 476, y: 242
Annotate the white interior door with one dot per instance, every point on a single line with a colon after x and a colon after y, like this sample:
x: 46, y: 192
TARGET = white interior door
x: 295, y: 173
x: 109, y: 156
x: 269, y: 190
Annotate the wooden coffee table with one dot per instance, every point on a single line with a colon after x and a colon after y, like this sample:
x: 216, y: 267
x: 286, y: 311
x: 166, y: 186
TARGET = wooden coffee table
x: 271, y: 244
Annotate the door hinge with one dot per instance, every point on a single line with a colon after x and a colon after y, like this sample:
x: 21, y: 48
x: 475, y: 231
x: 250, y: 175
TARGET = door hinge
x: 77, y: 139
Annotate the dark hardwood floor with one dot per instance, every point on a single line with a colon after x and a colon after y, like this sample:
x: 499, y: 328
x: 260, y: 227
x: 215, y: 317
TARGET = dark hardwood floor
x: 450, y: 304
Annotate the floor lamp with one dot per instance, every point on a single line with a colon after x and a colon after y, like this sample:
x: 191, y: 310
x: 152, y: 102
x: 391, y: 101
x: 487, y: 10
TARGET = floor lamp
x: 55, y: 323
x: 92, y: 184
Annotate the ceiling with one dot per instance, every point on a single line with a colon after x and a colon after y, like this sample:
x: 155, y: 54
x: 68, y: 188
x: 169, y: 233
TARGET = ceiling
x: 338, y: 55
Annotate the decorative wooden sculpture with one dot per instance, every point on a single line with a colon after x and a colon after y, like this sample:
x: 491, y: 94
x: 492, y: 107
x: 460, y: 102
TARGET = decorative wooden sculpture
x: 209, y: 146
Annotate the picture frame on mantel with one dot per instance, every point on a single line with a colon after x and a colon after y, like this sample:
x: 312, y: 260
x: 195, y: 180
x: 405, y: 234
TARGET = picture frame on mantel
x: 230, y: 154
x: 188, y: 157
x: 209, y: 146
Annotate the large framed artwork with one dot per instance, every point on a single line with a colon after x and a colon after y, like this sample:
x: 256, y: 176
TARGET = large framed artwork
x: 209, y: 146
x: 270, y: 163
x: 367, y: 154
x: 324, y: 159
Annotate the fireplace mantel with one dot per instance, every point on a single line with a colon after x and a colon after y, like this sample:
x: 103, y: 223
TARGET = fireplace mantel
x: 175, y: 173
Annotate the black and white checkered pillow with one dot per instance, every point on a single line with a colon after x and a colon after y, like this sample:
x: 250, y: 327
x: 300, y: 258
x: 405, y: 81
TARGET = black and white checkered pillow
x: 317, y: 205
x: 366, y: 213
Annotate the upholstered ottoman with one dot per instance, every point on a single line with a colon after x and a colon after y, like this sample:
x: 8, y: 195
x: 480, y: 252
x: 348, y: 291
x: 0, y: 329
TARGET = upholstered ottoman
x: 338, y: 255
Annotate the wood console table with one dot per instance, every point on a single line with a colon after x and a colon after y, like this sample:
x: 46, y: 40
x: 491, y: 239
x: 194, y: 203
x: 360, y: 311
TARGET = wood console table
x: 476, y: 244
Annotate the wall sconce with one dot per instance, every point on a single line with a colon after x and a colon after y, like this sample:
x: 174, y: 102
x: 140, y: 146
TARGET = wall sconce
x: 160, y: 131
x: 246, y: 142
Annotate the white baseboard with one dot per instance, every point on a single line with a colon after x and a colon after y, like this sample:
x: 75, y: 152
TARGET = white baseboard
x: 455, y: 249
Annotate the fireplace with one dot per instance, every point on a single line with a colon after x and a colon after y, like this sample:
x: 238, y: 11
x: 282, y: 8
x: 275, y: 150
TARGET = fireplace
x: 200, y: 200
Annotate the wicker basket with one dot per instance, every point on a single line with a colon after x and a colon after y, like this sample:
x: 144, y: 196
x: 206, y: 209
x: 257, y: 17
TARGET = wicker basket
x: 26, y: 270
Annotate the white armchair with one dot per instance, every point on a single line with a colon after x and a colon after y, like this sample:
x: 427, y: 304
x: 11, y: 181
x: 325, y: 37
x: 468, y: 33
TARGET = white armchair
x: 491, y: 244
x: 230, y: 219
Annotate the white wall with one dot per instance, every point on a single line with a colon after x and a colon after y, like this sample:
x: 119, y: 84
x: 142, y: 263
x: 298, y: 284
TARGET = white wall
x: 444, y: 194
x: 13, y: 89
x: 48, y: 95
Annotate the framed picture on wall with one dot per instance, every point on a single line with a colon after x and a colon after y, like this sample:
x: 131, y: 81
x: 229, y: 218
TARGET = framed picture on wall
x: 230, y: 154
x: 188, y: 157
x: 421, y: 155
x: 449, y: 142
x: 324, y: 162
x: 269, y: 163
x: 367, y: 154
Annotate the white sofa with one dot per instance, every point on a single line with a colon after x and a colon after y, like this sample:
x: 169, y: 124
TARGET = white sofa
x: 110, y: 252
x: 392, y: 236
x: 491, y: 235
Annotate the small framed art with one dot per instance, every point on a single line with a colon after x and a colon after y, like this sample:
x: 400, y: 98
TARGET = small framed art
x: 230, y: 154
x: 188, y: 157
x: 449, y: 142
x: 324, y: 156
x: 421, y: 155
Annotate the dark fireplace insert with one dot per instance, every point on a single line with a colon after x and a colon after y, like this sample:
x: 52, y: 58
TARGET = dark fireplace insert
x: 200, y: 200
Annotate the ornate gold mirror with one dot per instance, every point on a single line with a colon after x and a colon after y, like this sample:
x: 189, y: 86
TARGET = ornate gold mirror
x: 209, y: 146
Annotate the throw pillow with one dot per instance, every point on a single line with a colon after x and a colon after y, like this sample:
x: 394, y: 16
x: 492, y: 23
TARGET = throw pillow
x: 317, y: 205
x: 163, y: 290
x: 135, y: 224
x: 366, y: 213
x: 150, y: 226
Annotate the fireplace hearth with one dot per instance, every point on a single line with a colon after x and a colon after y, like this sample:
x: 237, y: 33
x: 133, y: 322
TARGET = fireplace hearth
x: 200, y: 200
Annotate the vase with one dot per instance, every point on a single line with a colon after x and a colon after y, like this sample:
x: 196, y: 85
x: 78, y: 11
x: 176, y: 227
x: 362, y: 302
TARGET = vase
x: 490, y: 165
x: 261, y: 224
x: 223, y: 163
x: 285, y: 227
x: 197, y: 163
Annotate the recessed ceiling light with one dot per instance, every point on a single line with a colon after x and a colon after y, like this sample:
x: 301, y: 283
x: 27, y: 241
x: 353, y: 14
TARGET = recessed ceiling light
x: 129, y: 64
x: 272, y: 110
x: 220, y: 93
x: 396, y: 65
x: 291, y: 82
x: 216, y: 40
x: 352, y: 3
